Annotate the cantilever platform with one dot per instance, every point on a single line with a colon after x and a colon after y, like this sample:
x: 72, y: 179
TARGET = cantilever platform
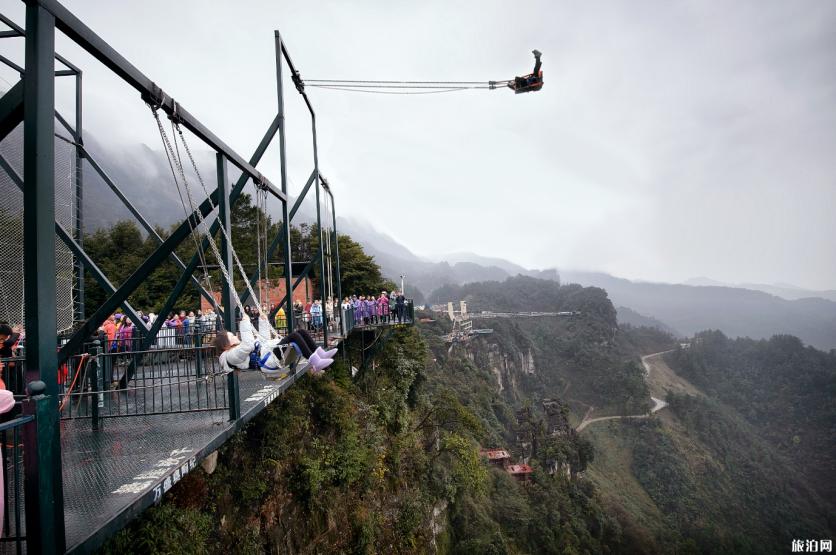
x: 112, y: 475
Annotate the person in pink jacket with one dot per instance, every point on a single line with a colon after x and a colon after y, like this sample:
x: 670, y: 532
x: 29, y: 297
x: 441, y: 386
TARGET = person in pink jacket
x: 383, y: 307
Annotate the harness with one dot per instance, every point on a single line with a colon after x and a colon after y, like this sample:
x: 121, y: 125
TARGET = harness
x: 260, y: 362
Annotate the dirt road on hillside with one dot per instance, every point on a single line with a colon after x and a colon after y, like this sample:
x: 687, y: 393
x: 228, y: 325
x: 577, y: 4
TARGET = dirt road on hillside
x: 660, y: 379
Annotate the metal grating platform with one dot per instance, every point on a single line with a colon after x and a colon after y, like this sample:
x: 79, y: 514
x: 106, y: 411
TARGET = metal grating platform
x: 112, y: 475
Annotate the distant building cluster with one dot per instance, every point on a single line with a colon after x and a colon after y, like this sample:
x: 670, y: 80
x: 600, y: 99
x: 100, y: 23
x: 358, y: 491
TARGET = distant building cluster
x: 502, y: 459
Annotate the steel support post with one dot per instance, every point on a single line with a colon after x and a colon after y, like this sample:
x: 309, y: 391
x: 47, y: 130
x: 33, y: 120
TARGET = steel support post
x: 44, y: 511
x: 279, y: 238
x: 224, y: 218
x: 321, y: 242
x: 39, y: 277
x: 337, y: 247
x: 285, y: 231
x: 79, y: 199
x: 224, y: 209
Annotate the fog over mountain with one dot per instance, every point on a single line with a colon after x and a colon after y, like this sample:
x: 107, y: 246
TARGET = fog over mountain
x: 736, y: 311
x: 752, y: 310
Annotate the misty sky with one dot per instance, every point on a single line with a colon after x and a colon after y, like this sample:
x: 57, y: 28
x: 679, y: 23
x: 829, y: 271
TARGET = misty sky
x: 671, y: 139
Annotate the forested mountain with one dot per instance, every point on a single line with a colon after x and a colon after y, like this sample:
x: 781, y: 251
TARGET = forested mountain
x: 781, y: 388
x: 633, y: 318
x: 706, y: 474
x: 388, y: 461
x: 737, y: 312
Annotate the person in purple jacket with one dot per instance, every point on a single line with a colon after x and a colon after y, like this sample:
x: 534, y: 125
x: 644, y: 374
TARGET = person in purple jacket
x: 125, y: 335
x: 371, y: 308
x: 364, y: 310
x: 358, y: 311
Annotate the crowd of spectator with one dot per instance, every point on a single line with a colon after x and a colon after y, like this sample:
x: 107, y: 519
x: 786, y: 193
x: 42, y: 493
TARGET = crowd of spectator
x: 118, y: 332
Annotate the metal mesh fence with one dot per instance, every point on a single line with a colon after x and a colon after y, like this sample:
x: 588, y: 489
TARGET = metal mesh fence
x: 12, y: 309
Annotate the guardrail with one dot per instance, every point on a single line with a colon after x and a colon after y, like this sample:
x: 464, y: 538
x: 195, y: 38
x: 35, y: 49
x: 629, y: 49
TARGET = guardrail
x: 185, y: 378
x: 13, y: 521
x: 22, y: 506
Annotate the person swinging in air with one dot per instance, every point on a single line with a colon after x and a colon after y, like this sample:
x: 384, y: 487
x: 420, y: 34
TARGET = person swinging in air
x: 531, y: 82
x: 235, y: 353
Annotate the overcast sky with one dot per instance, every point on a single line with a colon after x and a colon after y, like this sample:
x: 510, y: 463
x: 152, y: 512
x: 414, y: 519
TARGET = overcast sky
x: 671, y: 139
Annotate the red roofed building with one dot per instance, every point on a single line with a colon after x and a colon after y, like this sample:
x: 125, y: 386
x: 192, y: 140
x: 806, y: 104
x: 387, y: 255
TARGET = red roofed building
x: 521, y: 472
x: 498, y: 457
x: 273, y: 290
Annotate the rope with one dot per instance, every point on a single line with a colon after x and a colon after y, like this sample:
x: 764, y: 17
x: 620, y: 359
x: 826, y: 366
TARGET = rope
x: 170, y: 156
x: 342, y: 81
x: 212, y: 244
x: 201, y: 254
x: 362, y: 86
x: 330, y: 88
x: 170, y: 153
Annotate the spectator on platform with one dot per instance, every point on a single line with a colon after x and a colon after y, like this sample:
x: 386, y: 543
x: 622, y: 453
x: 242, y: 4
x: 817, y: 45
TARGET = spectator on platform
x: 298, y: 309
x: 109, y: 329
x: 400, y: 306
x: 344, y: 307
x: 281, y: 319
x: 9, y: 344
x: 329, y: 312
x: 361, y: 303
x: 383, y: 307
x: 392, y: 305
x: 371, y: 309
x: 358, y: 312
x: 125, y: 335
x: 316, y: 315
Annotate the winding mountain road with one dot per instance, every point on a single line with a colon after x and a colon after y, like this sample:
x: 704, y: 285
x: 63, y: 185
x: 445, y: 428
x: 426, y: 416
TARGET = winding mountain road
x: 658, y: 404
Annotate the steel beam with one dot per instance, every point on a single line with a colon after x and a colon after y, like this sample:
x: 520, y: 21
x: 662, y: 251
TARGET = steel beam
x: 11, y: 64
x: 143, y: 222
x: 77, y: 31
x: 298, y: 203
x: 286, y: 217
x: 336, y: 246
x: 279, y: 239
x: 296, y: 79
x: 224, y: 218
x: 79, y: 197
x: 11, y: 109
x: 39, y: 269
x: 302, y: 275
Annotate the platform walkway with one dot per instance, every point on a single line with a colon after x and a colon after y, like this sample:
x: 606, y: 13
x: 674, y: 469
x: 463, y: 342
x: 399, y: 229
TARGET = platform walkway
x: 113, y: 474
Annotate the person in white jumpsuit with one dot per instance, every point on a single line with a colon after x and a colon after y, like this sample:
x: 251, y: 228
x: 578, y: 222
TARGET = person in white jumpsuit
x: 235, y: 352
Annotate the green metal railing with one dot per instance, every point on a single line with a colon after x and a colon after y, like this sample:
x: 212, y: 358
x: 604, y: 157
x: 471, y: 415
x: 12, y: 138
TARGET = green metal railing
x: 13, y: 525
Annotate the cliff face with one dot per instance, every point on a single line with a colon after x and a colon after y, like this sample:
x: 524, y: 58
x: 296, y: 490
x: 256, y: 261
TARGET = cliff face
x: 505, y: 366
x: 583, y: 356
